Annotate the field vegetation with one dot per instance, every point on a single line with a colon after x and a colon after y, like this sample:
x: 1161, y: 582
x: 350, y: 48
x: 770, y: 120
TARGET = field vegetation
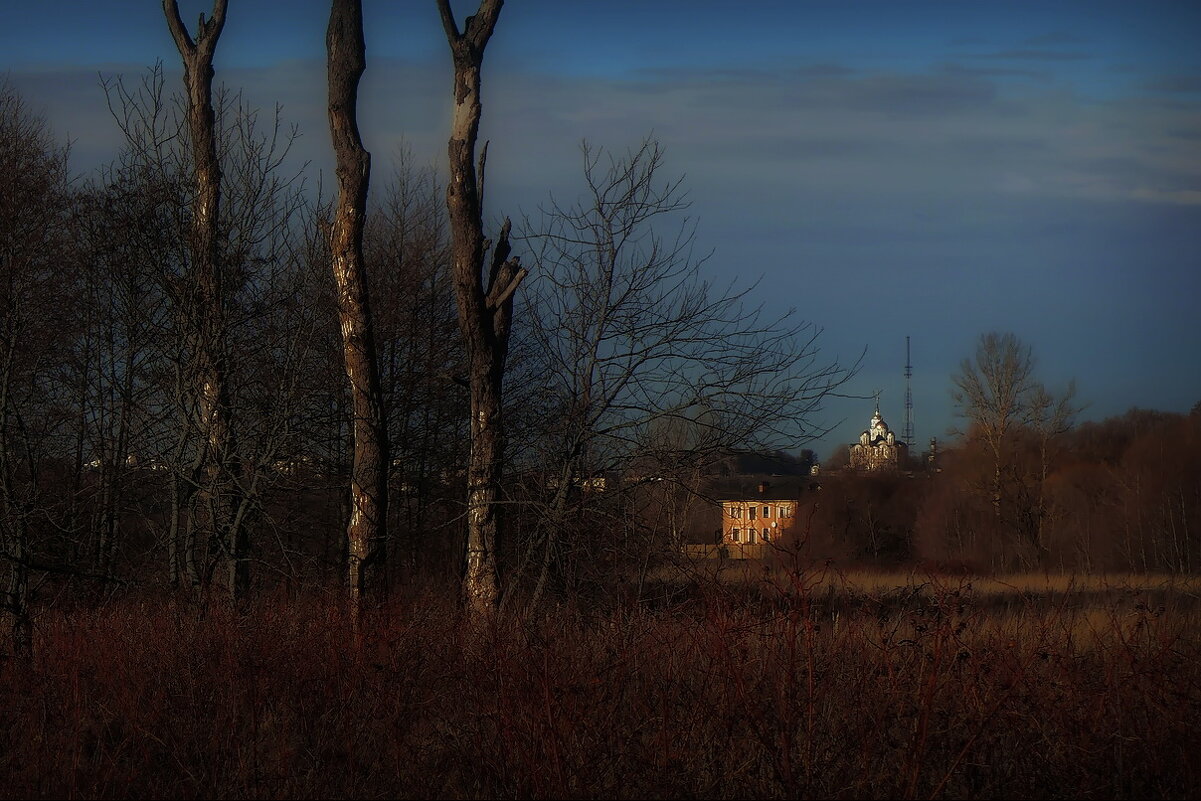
x: 768, y: 682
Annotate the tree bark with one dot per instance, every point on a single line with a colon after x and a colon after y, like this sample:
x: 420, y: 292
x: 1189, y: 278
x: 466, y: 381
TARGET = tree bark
x: 367, y: 526
x: 209, y: 378
x: 485, y: 303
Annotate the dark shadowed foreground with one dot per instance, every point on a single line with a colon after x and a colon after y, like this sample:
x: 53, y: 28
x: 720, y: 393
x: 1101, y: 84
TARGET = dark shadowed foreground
x: 930, y: 690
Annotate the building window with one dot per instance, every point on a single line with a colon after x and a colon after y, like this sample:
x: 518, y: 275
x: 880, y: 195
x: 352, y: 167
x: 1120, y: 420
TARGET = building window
x: 752, y: 512
x: 785, y: 511
x: 766, y: 512
x: 735, y: 511
x: 766, y: 535
x: 734, y: 535
x: 750, y: 537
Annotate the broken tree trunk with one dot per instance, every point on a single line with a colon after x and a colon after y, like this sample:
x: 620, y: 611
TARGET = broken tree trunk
x: 220, y: 494
x: 485, y: 303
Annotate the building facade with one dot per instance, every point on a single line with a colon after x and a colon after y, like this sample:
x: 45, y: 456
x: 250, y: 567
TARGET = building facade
x: 757, y: 518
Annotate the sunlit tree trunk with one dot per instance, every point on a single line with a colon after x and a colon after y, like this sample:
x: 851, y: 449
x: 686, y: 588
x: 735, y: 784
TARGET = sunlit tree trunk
x: 210, y: 375
x: 485, y: 302
x: 367, y: 526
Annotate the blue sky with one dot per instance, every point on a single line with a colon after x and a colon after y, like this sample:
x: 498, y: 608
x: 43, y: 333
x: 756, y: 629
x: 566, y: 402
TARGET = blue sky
x: 935, y: 170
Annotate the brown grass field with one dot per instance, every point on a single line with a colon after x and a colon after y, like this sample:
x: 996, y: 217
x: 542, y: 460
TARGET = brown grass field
x: 749, y: 682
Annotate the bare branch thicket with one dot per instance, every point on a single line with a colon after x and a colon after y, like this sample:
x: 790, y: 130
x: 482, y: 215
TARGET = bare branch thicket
x: 1004, y: 404
x: 421, y: 358
x: 647, y: 370
x: 37, y: 290
x: 117, y: 365
x: 142, y: 231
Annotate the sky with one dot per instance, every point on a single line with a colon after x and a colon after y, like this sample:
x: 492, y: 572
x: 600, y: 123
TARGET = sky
x: 931, y: 170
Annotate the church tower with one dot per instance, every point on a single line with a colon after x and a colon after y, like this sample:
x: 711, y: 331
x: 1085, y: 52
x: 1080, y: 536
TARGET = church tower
x: 878, y: 448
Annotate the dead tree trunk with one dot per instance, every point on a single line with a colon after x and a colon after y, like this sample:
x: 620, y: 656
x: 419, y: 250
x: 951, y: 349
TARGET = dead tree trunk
x: 485, y: 302
x: 219, y: 495
x: 367, y: 527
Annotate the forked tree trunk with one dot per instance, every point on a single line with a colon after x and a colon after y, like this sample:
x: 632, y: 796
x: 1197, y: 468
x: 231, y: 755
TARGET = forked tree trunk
x: 367, y: 526
x: 220, y: 491
x: 485, y: 303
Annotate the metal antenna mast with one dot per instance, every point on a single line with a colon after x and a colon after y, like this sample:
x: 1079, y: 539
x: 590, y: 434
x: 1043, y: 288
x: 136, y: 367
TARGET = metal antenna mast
x: 907, y: 435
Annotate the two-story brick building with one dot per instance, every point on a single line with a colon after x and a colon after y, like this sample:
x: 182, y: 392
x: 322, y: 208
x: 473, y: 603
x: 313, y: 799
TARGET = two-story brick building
x: 763, y: 514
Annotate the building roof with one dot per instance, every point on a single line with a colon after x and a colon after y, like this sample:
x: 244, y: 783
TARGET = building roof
x: 734, y: 464
x: 747, y: 488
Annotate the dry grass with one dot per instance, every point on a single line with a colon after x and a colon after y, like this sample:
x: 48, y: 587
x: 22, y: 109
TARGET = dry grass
x: 923, y: 688
x: 874, y: 580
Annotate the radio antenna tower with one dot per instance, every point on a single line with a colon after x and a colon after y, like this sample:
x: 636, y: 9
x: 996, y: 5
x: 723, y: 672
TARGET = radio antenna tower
x: 907, y: 435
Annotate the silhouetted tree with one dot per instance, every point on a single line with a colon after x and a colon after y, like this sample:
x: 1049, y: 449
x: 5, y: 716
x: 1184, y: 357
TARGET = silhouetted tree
x: 34, y: 295
x: 420, y: 351
x: 142, y: 225
x: 645, y: 368
x: 1002, y: 401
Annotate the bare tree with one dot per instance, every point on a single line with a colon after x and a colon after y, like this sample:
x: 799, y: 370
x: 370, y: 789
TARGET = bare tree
x: 140, y: 237
x: 145, y: 199
x: 416, y: 325
x: 646, y: 369
x: 221, y: 492
x: 367, y: 528
x: 116, y: 365
x: 999, y: 396
x: 33, y: 320
x: 485, y: 301
x: 1048, y: 417
x: 991, y: 393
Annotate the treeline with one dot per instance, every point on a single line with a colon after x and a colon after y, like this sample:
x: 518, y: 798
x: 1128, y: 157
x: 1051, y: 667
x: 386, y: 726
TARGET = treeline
x: 180, y: 403
x: 1122, y: 494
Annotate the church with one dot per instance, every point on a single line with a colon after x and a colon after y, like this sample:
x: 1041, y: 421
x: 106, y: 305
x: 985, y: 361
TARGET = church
x: 878, y: 448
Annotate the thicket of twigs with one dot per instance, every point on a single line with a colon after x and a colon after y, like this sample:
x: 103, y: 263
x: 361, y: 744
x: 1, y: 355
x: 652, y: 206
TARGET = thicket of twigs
x: 783, y: 688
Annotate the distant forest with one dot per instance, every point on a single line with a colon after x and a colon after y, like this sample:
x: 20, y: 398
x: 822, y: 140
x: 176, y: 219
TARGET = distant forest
x: 1122, y: 494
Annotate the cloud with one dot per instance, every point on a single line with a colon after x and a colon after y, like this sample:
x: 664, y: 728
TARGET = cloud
x: 1175, y: 197
x: 1185, y: 83
x: 916, y: 94
x: 73, y: 102
x: 1055, y: 38
x: 666, y: 76
x: 955, y: 68
x: 954, y: 132
x: 1033, y: 54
